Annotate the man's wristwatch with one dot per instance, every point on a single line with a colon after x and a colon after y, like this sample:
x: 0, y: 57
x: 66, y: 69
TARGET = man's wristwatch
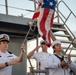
x: 6, y: 63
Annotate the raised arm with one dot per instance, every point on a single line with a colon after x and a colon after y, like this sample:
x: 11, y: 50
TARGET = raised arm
x: 32, y: 52
x: 20, y: 58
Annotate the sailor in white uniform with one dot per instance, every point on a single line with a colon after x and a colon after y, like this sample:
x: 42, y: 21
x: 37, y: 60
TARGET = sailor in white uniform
x: 41, y: 57
x: 7, y: 59
x: 60, y: 64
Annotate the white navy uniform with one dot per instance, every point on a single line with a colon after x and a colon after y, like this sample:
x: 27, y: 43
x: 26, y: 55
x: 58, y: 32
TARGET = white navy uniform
x: 6, y: 57
x: 55, y: 69
x: 43, y: 58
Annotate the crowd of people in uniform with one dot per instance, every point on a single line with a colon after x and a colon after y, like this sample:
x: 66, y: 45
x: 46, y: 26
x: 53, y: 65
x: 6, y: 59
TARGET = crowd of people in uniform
x: 58, y: 63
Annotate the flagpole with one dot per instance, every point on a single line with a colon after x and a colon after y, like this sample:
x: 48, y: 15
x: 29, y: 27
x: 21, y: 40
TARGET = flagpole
x: 35, y: 4
x: 37, y: 36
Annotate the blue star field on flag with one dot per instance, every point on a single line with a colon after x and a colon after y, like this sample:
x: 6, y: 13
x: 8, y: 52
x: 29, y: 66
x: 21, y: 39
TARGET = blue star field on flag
x: 49, y: 4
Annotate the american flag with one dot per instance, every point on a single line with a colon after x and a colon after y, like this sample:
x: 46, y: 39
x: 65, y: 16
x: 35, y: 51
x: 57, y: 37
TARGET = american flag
x: 45, y: 16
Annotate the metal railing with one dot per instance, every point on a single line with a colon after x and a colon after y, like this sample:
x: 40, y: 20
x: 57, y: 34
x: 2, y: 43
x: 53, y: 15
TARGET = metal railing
x: 35, y: 71
x: 66, y: 19
x: 15, y: 8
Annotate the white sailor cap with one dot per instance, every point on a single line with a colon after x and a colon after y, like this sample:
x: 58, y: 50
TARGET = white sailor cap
x: 55, y: 42
x: 4, y: 37
x: 42, y: 42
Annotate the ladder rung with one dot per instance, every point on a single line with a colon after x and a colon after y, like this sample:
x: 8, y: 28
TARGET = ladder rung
x: 62, y: 35
x: 69, y: 48
x: 73, y: 55
x: 65, y: 41
x: 58, y: 29
x: 56, y: 23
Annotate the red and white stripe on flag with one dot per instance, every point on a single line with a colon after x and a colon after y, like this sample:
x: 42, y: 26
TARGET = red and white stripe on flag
x: 37, y: 11
x: 45, y: 19
x: 44, y: 24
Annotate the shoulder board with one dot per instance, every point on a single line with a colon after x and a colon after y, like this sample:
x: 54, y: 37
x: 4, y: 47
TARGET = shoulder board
x: 9, y: 52
x: 0, y: 55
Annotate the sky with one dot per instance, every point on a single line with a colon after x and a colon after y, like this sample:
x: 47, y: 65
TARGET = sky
x: 26, y: 4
